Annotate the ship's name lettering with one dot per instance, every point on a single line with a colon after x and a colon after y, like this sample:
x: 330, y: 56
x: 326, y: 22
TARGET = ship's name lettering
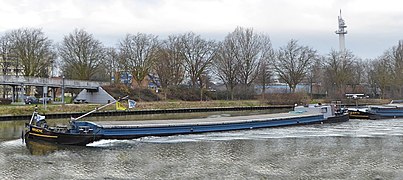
x: 37, y: 130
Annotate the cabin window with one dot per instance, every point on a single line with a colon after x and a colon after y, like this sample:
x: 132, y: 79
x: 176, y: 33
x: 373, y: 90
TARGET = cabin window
x: 324, y: 110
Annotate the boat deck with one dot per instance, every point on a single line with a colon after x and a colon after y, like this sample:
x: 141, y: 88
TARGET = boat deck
x: 203, y: 121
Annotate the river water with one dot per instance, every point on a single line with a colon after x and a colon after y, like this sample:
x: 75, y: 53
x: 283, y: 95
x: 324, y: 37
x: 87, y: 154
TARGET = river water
x: 358, y: 149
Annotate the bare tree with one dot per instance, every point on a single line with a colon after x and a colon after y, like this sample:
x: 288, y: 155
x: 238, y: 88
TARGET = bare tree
x: 7, y: 60
x: 264, y: 76
x: 170, y: 62
x: 315, y: 75
x: 380, y: 74
x: 292, y: 62
x: 82, y: 55
x: 31, y: 50
x: 226, y: 66
x: 240, y: 56
x: 358, y: 74
x: 198, y: 55
x: 339, y: 71
x: 112, y: 63
x: 395, y: 55
x: 138, y: 52
x: 390, y: 65
x: 251, y: 49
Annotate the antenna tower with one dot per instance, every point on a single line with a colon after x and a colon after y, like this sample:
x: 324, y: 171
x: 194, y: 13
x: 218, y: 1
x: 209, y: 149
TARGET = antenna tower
x: 341, y: 32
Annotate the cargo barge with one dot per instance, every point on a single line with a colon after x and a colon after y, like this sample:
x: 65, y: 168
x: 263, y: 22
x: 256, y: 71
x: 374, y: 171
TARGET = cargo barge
x: 392, y: 110
x: 79, y: 132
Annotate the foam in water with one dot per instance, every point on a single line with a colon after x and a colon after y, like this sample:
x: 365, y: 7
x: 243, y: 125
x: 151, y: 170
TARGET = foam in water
x: 12, y: 143
x: 105, y: 143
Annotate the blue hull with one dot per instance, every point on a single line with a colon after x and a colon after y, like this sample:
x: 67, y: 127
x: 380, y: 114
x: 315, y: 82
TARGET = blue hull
x: 84, y: 132
x: 130, y: 133
x: 386, y: 112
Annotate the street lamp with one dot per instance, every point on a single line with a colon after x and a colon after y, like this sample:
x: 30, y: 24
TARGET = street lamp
x: 63, y: 90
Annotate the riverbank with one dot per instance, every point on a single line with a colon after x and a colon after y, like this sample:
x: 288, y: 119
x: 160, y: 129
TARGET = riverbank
x: 7, y: 110
x: 10, y: 110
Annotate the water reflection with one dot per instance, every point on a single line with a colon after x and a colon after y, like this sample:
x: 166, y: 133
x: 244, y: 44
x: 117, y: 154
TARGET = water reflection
x: 11, y: 129
x: 42, y: 148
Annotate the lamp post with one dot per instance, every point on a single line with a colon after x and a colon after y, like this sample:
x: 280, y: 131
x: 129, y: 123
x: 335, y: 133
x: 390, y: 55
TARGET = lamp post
x: 63, y: 90
x: 45, y: 96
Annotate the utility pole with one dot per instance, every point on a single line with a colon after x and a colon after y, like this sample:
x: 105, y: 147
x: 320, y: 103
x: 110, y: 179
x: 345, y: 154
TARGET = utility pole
x: 63, y: 89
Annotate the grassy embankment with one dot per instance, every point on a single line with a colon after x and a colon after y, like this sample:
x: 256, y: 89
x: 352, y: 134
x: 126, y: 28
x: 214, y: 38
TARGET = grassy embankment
x: 57, y: 108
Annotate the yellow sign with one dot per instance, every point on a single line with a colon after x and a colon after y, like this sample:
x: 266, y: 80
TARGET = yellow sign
x: 37, y: 130
x: 119, y: 106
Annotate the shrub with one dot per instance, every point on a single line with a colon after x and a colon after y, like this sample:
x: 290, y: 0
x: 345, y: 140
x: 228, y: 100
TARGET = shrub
x: 143, y: 94
x: 117, y: 90
x: 183, y: 93
x: 5, y: 101
x: 138, y: 94
x: 286, y: 98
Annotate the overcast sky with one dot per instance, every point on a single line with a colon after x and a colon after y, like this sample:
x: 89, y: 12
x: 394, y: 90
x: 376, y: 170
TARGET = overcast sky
x: 373, y: 26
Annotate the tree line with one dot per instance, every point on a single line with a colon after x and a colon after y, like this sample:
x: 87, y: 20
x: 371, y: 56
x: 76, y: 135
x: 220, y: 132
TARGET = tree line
x: 243, y: 60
